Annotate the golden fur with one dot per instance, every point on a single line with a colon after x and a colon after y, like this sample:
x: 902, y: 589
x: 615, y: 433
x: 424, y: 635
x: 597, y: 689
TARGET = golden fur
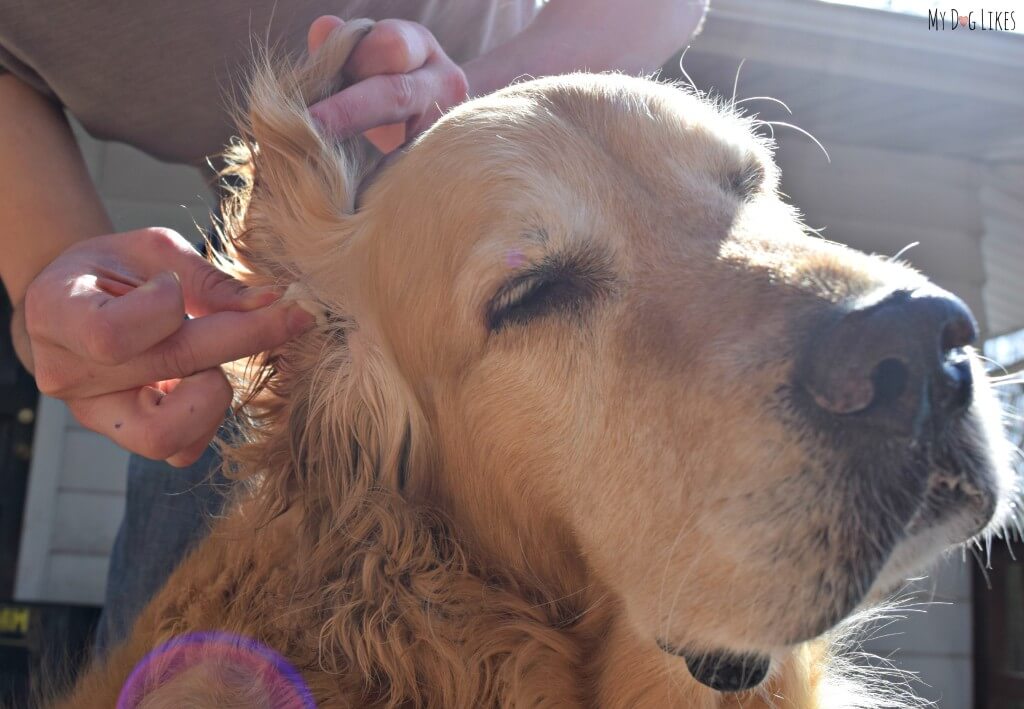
x: 442, y: 514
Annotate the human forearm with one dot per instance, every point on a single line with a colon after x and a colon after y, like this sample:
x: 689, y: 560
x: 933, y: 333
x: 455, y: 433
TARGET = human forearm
x: 594, y: 35
x: 49, y: 202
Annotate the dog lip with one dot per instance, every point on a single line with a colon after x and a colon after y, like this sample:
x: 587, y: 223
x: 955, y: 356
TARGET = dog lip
x: 961, y: 488
x: 951, y: 496
x: 723, y: 671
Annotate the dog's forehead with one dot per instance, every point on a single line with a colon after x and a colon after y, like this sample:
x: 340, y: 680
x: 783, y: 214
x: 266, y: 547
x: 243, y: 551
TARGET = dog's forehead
x: 582, y: 157
x: 636, y: 122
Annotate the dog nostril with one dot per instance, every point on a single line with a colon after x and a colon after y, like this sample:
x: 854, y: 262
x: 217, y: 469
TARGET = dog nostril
x: 890, y: 380
x: 959, y: 380
x: 959, y: 332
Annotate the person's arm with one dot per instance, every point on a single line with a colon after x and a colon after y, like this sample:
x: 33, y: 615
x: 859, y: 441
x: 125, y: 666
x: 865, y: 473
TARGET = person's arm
x: 403, y: 80
x: 100, y: 318
x: 589, y: 35
x: 49, y: 202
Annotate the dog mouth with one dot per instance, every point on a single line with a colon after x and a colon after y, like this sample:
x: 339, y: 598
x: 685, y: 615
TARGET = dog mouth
x: 723, y: 671
x: 954, y: 500
x: 961, y: 496
x: 888, y: 507
x: 955, y: 508
x: 962, y: 492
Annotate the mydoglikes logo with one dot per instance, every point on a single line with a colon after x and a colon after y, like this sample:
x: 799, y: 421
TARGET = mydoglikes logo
x: 954, y: 19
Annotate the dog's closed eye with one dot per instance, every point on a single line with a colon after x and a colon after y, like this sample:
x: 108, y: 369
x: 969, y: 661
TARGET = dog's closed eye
x: 555, y: 285
x: 746, y: 182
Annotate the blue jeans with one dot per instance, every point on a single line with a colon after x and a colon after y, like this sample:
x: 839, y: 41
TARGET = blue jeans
x: 167, y: 511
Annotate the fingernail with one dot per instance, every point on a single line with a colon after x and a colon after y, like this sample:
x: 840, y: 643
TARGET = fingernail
x: 158, y: 280
x: 263, y: 296
x: 299, y: 320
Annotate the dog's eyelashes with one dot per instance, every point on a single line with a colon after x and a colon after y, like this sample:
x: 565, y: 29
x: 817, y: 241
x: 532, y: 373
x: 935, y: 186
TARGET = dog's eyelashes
x: 527, y: 299
x: 747, y: 182
x: 543, y: 290
x: 516, y: 297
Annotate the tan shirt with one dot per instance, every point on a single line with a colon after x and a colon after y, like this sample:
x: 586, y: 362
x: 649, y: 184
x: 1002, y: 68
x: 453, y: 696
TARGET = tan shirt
x: 155, y: 74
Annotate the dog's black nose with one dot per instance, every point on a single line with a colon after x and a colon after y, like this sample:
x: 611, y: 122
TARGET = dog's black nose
x: 896, y: 363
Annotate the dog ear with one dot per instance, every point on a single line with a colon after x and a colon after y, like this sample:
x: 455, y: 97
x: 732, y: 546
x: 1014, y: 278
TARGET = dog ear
x: 356, y: 428
x: 292, y: 185
x: 330, y: 415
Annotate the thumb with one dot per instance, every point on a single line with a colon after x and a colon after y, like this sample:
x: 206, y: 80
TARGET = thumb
x: 207, y: 289
x: 320, y: 30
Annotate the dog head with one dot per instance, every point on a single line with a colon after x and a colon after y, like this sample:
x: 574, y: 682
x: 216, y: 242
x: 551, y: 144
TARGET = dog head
x: 577, y: 316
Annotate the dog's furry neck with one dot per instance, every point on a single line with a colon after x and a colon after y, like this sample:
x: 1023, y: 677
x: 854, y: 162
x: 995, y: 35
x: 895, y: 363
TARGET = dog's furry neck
x: 413, y: 603
x: 402, y: 603
x: 404, y: 593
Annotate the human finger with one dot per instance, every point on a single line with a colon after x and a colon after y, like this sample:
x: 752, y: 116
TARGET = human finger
x: 203, y: 435
x: 156, y: 424
x: 389, y: 98
x: 205, y: 288
x: 320, y: 29
x: 391, y: 47
x: 212, y: 340
x: 110, y: 329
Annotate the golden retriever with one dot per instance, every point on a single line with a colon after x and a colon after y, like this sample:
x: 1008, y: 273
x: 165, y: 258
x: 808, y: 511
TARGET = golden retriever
x: 590, y: 420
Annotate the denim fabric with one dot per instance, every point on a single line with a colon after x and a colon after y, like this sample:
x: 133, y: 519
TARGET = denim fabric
x: 167, y: 511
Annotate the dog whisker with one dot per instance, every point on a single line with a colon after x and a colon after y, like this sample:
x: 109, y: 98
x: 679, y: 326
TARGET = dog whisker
x: 772, y: 99
x: 798, y: 129
x: 682, y: 70
x: 736, y: 83
x: 904, y: 250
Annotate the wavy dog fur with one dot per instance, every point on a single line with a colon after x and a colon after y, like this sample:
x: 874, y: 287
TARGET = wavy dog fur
x: 345, y: 551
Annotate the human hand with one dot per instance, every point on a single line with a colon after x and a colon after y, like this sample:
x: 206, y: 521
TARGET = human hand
x: 106, y: 332
x: 402, y: 81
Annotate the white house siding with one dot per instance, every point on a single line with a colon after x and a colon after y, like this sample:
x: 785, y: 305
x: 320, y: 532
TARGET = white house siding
x: 932, y: 637
x: 77, y: 481
x: 1002, y: 201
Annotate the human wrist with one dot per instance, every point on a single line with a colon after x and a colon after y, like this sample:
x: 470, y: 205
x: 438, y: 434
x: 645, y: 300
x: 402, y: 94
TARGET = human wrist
x: 26, y: 259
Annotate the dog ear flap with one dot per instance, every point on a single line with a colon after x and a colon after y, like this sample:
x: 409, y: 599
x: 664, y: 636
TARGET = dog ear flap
x: 333, y: 418
x: 361, y: 431
x: 328, y: 423
x: 292, y: 185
